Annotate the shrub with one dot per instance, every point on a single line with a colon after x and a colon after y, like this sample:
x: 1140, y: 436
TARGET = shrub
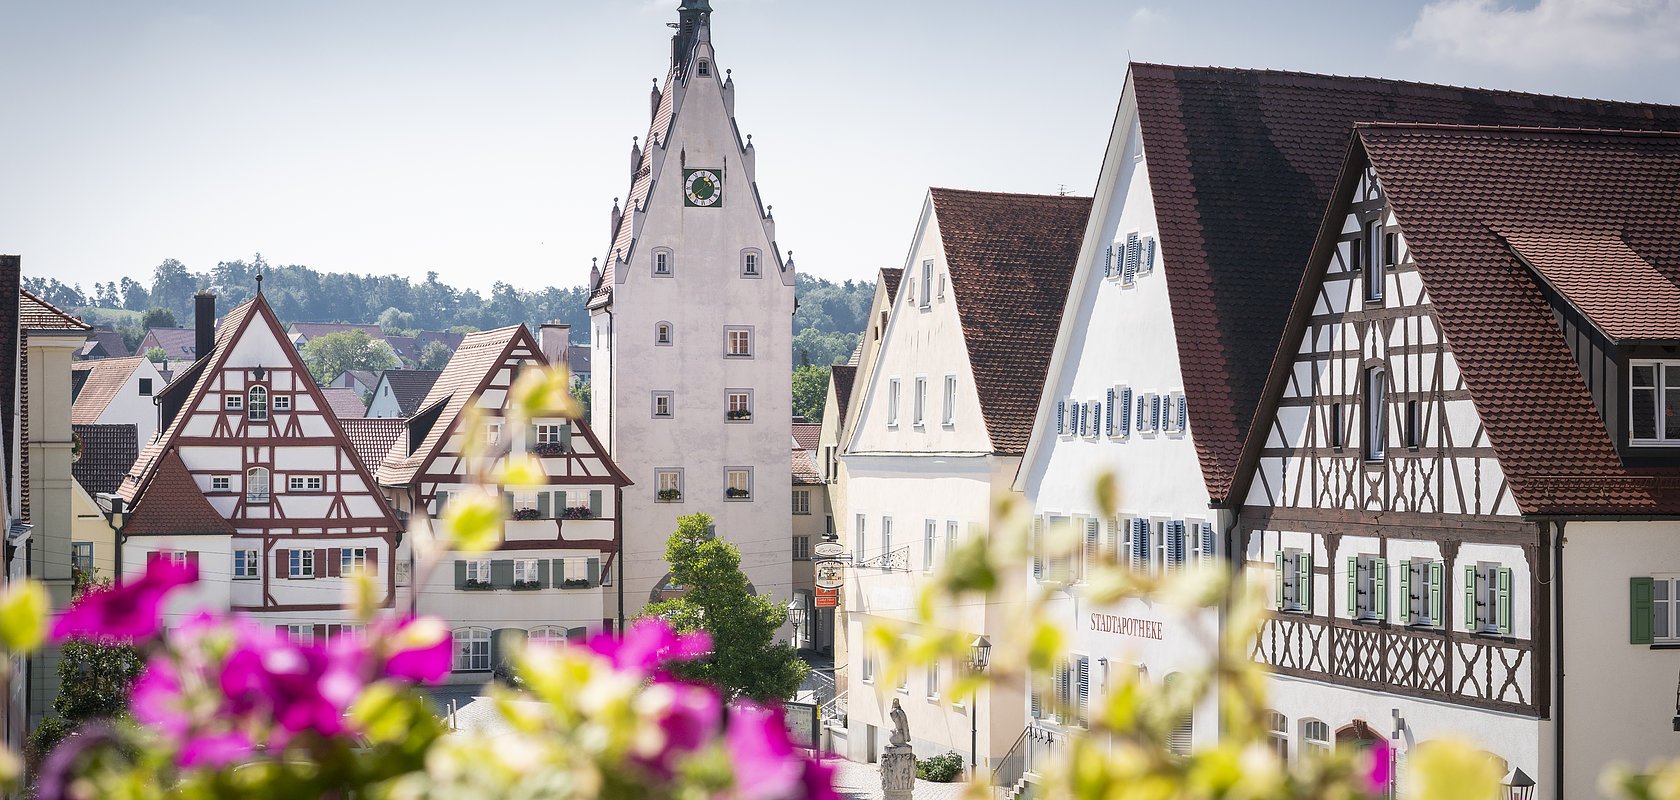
x: 940, y: 769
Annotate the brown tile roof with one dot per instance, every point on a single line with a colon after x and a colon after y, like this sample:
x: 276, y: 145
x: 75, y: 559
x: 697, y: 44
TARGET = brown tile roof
x: 409, y: 386
x: 805, y: 468
x: 105, y: 344
x: 345, y: 403
x: 179, y: 344
x: 35, y: 314
x: 845, y: 377
x: 103, y: 379
x: 640, y: 184
x: 1241, y: 164
x: 374, y: 438
x: 108, y: 451
x: 807, y: 434
x: 1462, y: 197
x: 173, y: 505
x: 890, y: 276
x: 1011, y: 258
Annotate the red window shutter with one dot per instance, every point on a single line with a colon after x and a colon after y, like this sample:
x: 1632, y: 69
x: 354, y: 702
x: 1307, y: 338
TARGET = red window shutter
x: 332, y: 562
x: 282, y: 563
x: 192, y: 557
x: 320, y: 558
x: 320, y: 634
x: 373, y: 561
x: 152, y: 556
x: 281, y: 631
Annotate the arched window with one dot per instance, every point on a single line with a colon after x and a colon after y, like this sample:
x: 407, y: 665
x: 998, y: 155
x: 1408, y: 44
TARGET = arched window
x: 256, y: 485
x: 1277, y: 732
x: 1315, y: 736
x: 750, y: 259
x: 662, y: 335
x: 256, y: 404
x: 1178, y: 739
x: 472, y: 649
x: 547, y: 635
x: 705, y: 67
x: 663, y: 262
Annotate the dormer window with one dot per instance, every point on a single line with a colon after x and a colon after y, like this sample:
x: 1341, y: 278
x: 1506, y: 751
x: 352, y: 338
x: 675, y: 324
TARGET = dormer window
x: 705, y: 67
x: 1654, y: 402
x: 256, y: 404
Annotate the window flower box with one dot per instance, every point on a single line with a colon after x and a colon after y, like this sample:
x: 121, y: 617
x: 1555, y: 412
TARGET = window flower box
x: 577, y: 512
x: 738, y: 415
x: 575, y: 583
x: 736, y: 494
x: 527, y: 513
x: 474, y: 585
x: 669, y: 495
x: 549, y: 449
x: 526, y: 585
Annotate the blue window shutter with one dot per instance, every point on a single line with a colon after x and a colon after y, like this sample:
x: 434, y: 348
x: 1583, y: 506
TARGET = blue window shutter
x: 1108, y: 261
x: 1208, y: 545
x: 1061, y: 416
x: 1148, y: 254
x: 1038, y: 548
x: 1182, y: 414
x: 1154, y: 412
x: 1134, y: 255
x: 1108, y: 406
x: 1125, y: 412
x: 1143, y: 544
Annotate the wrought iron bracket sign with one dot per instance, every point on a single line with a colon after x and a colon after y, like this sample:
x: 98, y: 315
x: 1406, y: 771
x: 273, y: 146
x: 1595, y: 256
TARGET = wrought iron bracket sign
x: 898, y: 559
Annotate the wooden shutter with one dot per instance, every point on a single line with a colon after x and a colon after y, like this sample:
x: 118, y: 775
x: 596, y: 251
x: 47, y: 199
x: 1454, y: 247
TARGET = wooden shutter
x: 152, y: 556
x: 1353, y: 587
x: 1306, y: 579
x: 316, y: 569
x: 501, y: 574
x: 282, y: 563
x: 593, y: 571
x: 595, y: 502
x: 1354, y: 263
x: 1437, y: 609
x: 334, y: 563
x: 320, y: 635
x: 192, y: 558
x: 439, y: 498
x: 544, y: 581
x: 543, y: 510
x: 460, y: 574
x: 373, y: 561
x: 1091, y: 556
x: 1379, y: 587
x: 1641, y: 611
x: 1082, y: 679
x: 1503, y: 612
x: 1470, y: 597
x: 1037, y: 545
x: 1406, y: 604
x: 1277, y: 578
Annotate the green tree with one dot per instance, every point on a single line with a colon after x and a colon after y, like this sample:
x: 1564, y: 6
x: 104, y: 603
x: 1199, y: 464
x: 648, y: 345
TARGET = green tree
x: 394, y: 320
x: 334, y: 354
x: 157, y: 318
x: 584, y: 393
x: 812, y: 346
x: 435, y: 356
x: 746, y: 659
x: 95, y: 678
x: 156, y: 355
x: 810, y: 391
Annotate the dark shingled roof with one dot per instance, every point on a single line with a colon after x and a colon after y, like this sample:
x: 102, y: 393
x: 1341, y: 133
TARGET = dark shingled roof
x: 1241, y: 167
x: 845, y: 377
x: 1463, y: 196
x: 107, y: 453
x: 890, y: 276
x: 1011, y: 258
x: 409, y: 386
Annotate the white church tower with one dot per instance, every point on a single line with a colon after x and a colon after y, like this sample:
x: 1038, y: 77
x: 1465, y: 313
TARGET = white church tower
x: 692, y: 325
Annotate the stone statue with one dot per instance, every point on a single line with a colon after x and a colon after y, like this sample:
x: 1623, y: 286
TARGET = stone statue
x: 901, y: 725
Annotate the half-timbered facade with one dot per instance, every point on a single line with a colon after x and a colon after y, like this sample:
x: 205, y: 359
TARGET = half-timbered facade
x: 253, y: 479
x: 1446, y: 437
x: 550, y: 577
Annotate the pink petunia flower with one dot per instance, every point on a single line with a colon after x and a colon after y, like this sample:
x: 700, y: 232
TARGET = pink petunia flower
x: 216, y: 750
x: 1382, y: 767
x: 303, y: 688
x: 648, y: 643
x: 691, y: 721
x: 422, y: 650
x: 128, y: 610
x: 767, y: 767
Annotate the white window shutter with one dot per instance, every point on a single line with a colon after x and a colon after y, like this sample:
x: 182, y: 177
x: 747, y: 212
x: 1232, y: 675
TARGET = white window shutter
x: 1126, y: 412
x: 1148, y: 261
x: 1038, y: 548
x: 1208, y: 545
x: 1061, y: 417
x: 1108, y: 407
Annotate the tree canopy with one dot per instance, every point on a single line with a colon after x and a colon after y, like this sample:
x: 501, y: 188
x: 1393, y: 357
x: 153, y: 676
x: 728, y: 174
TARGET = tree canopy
x: 331, y: 355
x: 810, y: 391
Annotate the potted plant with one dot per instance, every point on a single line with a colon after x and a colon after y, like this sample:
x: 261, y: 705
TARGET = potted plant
x: 738, y: 414
x: 669, y: 495
x: 577, y: 512
x: 575, y: 583
x: 527, y: 513
x: 474, y: 583
x: 735, y: 494
x: 525, y: 585
x: 548, y: 449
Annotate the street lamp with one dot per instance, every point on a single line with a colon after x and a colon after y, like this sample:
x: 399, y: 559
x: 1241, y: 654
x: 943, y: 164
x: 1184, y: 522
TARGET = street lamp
x: 979, y: 656
x: 796, y: 616
x: 1518, y: 786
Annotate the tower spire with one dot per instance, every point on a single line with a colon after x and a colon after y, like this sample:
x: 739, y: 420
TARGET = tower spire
x: 691, y: 16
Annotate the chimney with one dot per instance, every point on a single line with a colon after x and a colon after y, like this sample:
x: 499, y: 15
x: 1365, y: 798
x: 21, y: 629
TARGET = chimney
x: 556, y: 342
x: 204, y: 323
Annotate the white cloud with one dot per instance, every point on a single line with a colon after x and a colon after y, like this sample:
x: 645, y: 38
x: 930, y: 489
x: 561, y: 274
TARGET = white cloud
x: 1552, y: 33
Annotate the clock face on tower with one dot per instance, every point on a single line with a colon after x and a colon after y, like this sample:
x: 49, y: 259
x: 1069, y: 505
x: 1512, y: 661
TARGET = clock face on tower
x: 703, y: 188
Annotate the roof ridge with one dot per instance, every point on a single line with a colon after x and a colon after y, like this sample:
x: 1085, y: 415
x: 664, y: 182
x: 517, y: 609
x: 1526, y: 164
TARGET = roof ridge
x: 989, y: 193
x: 1333, y: 77
x: 1443, y: 127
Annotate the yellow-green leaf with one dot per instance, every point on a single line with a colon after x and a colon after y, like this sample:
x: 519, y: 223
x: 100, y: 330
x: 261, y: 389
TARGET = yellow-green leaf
x: 472, y: 521
x: 23, y: 616
x: 543, y: 393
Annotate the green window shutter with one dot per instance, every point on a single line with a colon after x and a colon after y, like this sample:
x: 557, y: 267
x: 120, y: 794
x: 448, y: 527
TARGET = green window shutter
x: 542, y: 505
x: 501, y: 574
x: 559, y: 504
x: 1640, y: 610
x: 1277, y: 580
x: 1406, y: 590
x: 1379, y: 585
x: 1437, y: 571
x: 566, y: 436
x: 558, y: 571
x: 1306, y: 581
x: 594, y: 567
x: 1504, y: 610
x: 543, y: 580
x: 460, y: 574
x: 1353, y: 588
x: 442, y: 499
x: 595, y: 502
x: 1470, y: 597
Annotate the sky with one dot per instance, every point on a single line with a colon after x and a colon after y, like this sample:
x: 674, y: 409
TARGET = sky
x: 487, y: 140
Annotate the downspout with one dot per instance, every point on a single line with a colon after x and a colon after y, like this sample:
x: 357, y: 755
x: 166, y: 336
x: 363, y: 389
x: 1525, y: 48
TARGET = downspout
x: 618, y: 542
x: 1557, y: 657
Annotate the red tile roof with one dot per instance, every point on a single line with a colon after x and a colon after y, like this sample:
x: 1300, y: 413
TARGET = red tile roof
x: 179, y: 344
x: 105, y: 378
x: 1011, y: 258
x: 1463, y: 196
x: 173, y: 504
x: 310, y: 330
x: 35, y: 314
x: 805, y: 468
x: 345, y: 403
x: 845, y: 377
x: 890, y: 276
x: 807, y: 434
x: 373, y: 438
x: 1241, y: 165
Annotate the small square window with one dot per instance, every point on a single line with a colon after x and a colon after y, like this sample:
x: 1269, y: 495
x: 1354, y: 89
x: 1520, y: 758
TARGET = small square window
x: 303, y: 483
x: 739, y: 406
x: 705, y: 68
x: 245, y: 564
x: 740, y: 343
x: 352, y: 560
x: 668, y: 485
x: 283, y: 402
x: 233, y: 402
x: 301, y: 563
x: 738, y: 483
x: 220, y: 483
x: 662, y: 403
x: 145, y: 387
x: 662, y: 335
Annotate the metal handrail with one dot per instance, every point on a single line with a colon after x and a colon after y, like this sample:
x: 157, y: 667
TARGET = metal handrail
x: 834, y: 708
x: 895, y: 559
x: 1012, y: 768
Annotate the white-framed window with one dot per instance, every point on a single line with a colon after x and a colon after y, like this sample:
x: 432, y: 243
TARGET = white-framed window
x: 472, y: 649
x: 740, y: 341
x: 749, y: 264
x: 1665, y: 608
x: 256, y: 404
x: 668, y: 484
x: 547, y: 636
x: 860, y: 529
x: 1148, y: 413
x: 1376, y: 413
x: 574, y: 570
x: 738, y: 483
x: 177, y: 557
x: 1367, y: 587
x: 663, y: 262
x: 801, y: 501
x: 933, y: 680
x: 663, y: 335
x: 233, y: 402
x: 705, y: 68
x: 662, y: 405
x: 930, y: 540
x: 886, y: 535
x: 1119, y: 420
x: 739, y: 405
x: 903, y: 686
x: 950, y: 537
x: 1373, y: 260
x: 892, y: 403
x: 492, y: 433
x: 1174, y: 414
x: 302, y: 635
x: 927, y: 281
x: 801, y: 548
x: 1315, y: 737
x: 282, y: 402
x: 81, y: 557
x: 1487, y: 598
x: 550, y: 433
x: 304, y: 483
x: 1654, y: 402
x: 949, y: 417
x: 918, y: 403
x: 1423, y: 591
x: 942, y: 276
x: 352, y: 560
x: 1294, y: 580
x: 1134, y: 542
x: 245, y: 564
x: 868, y: 664
x: 478, y: 571
x: 1172, y: 543
x: 525, y: 571
x: 221, y: 483
x: 256, y: 485
x: 1277, y: 735
x: 300, y: 563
